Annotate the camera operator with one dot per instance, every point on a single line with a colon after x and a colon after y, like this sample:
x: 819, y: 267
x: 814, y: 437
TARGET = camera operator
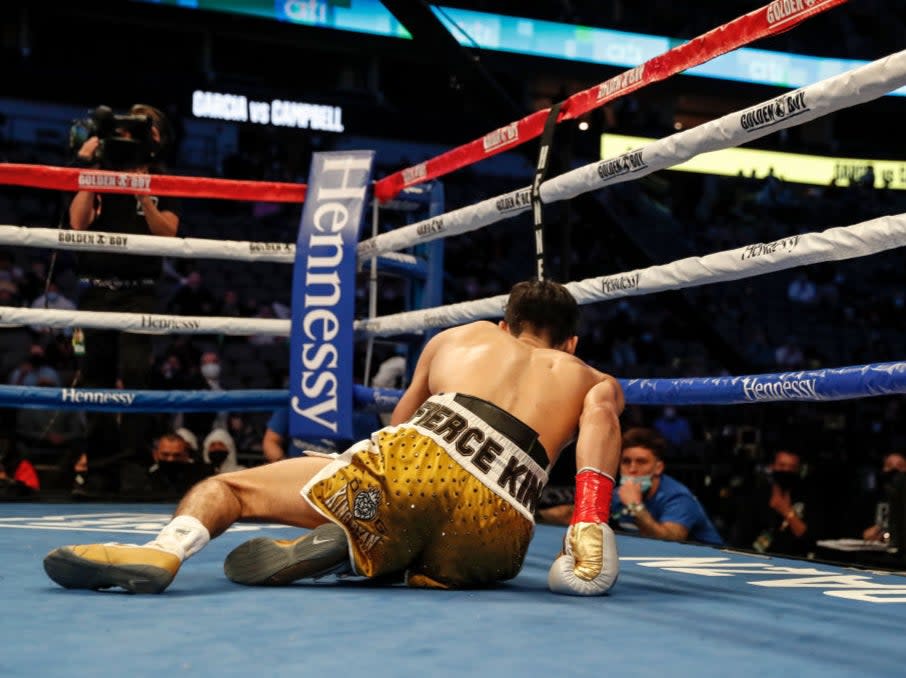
x: 111, y: 282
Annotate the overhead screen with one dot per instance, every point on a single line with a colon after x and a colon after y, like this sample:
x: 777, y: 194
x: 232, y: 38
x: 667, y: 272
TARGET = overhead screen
x: 537, y: 38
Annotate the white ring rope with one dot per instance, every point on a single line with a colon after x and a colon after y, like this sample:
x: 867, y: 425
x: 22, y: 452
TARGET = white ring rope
x: 834, y: 244
x: 144, y: 323
x: 185, y: 248
x: 854, y: 87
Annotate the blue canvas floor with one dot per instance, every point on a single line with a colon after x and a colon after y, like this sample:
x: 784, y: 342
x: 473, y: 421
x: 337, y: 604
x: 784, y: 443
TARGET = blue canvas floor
x: 677, y: 610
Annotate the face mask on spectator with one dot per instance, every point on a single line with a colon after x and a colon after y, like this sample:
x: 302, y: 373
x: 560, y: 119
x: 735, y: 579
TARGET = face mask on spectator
x: 210, y: 370
x: 217, y: 457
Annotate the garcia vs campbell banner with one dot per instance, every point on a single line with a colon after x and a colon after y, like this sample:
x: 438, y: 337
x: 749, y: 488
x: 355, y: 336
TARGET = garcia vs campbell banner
x: 323, y: 306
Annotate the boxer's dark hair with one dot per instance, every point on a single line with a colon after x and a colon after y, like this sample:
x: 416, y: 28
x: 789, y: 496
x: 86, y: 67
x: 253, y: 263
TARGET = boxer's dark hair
x: 546, y: 306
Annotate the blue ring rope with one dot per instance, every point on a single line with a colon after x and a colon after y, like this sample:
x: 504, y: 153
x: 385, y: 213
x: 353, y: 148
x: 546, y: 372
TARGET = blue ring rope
x: 842, y: 383
x: 125, y: 400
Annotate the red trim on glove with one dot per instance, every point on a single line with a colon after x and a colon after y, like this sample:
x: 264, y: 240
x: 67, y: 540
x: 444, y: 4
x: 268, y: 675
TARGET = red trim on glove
x: 593, y: 493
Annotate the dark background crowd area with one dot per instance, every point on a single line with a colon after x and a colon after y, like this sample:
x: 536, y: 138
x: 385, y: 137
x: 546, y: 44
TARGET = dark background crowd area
x: 828, y: 315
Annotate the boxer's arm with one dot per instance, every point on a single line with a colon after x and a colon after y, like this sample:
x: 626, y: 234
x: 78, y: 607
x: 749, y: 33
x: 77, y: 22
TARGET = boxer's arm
x: 588, y: 564
x: 599, y: 443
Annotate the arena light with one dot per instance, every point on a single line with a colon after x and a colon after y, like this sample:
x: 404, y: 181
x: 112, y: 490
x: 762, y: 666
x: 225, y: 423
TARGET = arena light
x: 277, y: 113
x: 818, y: 170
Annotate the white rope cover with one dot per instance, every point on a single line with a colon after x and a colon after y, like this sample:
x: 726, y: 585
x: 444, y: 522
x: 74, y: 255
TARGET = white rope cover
x: 854, y: 87
x: 144, y: 323
x: 834, y: 244
x: 184, y: 248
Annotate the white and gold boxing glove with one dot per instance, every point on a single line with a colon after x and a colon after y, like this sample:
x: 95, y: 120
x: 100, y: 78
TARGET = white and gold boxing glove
x: 588, y: 564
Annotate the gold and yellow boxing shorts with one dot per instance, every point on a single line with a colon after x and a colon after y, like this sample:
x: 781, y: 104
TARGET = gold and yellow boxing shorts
x: 448, y: 498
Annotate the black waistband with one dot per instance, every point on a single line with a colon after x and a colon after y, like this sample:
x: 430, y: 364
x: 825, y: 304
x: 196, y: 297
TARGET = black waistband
x: 525, y: 437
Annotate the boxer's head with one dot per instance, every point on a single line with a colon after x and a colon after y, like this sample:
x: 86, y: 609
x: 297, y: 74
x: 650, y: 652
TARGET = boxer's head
x: 544, y: 308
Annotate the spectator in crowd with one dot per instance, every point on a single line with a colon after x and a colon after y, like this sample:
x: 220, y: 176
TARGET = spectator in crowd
x: 191, y: 440
x: 650, y: 501
x: 111, y: 282
x: 192, y: 297
x: 247, y: 437
x: 174, y: 470
x: 52, y: 299
x: 867, y: 180
x: 802, y: 290
x: 60, y: 354
x: 273, y: 444
x: 647, y: 501
x: 9, y: 293
x: 168, y: 373
x: 229, y: 305
x: 33, y: 279
x: 219, y: 451
x: 648, y: 348
x: 57, y: 433
x: 183, y: 346
x: 622, y: 352
x: 893, y: 465
x: 173, y: 271
x: 9, y: 271
x: 281, y: 310
x: 789, y: 355
x: 18, y: 477
x: 206, y: 378
x: 675, y: 428
x: 210, y: 370
x: 783, y: 515
x: 34, y: 368
x: 265, y: 312
x: 758, y: 350
x: 277, y: 444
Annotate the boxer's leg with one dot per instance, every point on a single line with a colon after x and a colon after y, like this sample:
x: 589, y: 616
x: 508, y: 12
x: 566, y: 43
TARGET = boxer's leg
x: 275, y: 562
x: 267, y: 493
